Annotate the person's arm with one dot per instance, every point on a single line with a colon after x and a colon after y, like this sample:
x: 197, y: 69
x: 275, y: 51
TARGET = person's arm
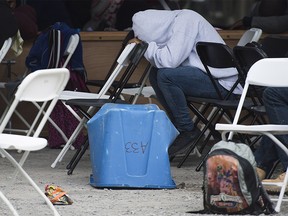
x: 179, y: 46
x: 135, y: 40
x: 274, y: 24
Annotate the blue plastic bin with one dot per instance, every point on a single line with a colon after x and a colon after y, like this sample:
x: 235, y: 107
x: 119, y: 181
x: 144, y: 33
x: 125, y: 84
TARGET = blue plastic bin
x: 129, y: 146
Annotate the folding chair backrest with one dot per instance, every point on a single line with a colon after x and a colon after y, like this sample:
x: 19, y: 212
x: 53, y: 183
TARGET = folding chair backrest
x: 129, y: 36
x: 100, y: 83
x: 122, y: 61
x: 134, y: 58
x: 130, y: 58
x: 247, y: 56
x: 71, y: 47
x: 251, y: 35
x: 272, y: 72
x: 208, y: 50
x: 6, y: 46
x: 54, y: 48
x: 217, y: 55
x: 55, y: 57
x: 275, y: 46
x: 41, y: 86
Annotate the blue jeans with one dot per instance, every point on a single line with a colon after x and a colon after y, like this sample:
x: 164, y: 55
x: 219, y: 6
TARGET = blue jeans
x: 172, y: 85
x: 276, y: 104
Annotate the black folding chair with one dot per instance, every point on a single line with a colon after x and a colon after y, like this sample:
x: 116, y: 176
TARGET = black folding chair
x: 246, y: 57
x: 100, y: 83
x: 215, y: 55
x: 275, y: 46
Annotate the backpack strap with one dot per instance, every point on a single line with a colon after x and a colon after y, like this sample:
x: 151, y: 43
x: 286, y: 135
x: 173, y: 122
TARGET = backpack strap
x: 268, y: 204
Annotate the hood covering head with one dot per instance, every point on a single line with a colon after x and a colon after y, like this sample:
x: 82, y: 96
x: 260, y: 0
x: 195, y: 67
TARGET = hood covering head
x: 153, y: 25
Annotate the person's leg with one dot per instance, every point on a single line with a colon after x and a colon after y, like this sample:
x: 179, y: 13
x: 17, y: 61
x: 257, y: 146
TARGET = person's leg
x: 160, y: 97
x: 276, y: 104
x: 266, y: 155
x: 171, y: 87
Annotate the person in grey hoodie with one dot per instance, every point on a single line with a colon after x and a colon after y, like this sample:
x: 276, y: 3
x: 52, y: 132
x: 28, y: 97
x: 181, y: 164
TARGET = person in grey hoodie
x: 178, y: 72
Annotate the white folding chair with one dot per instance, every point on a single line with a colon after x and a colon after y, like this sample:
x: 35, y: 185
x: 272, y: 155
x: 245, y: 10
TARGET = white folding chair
x: 122, y: 61
x: 42, y: 86
x: 71, y: 47
x: 269, y: 72
x: 252, y: 34
x: 5, y: 48
x: 69, y: 51
x: 9, y: 204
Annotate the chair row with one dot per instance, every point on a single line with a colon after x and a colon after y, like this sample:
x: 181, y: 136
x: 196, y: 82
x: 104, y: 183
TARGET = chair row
x: 241, y: 58
x: 129, y: 58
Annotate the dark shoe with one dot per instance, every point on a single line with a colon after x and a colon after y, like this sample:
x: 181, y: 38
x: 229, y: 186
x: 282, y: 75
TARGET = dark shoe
x: 274, y: 189
x: 261, y: 173
x: 183, y: 141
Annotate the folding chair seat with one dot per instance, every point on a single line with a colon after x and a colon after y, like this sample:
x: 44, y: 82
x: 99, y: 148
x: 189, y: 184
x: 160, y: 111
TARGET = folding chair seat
x: 215, y: 55
x: 129, y: 58
x: 43, y: 86
x: 268, y: 72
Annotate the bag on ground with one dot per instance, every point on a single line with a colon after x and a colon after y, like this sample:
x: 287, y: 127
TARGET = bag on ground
x: 231, y: 184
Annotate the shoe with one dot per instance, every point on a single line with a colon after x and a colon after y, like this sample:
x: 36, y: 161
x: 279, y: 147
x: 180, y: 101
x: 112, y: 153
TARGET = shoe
x: 261, y: 173
x: 183, y: 141
x: 274, y: 188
